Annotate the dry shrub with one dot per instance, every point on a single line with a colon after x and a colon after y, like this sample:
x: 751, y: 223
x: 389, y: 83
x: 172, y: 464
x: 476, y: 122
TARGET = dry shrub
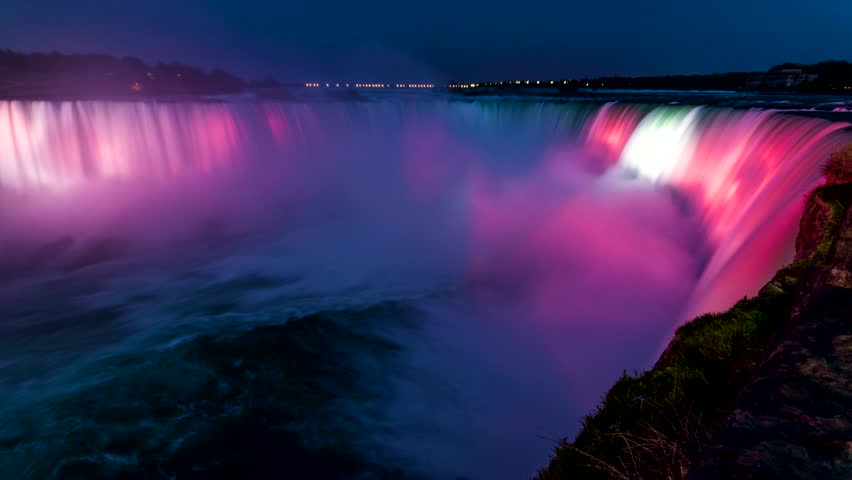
x: 656, y: 453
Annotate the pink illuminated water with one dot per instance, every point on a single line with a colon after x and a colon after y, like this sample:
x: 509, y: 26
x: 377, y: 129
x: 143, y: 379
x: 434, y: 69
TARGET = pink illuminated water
x: 746, y: 172
x: 546, y: 247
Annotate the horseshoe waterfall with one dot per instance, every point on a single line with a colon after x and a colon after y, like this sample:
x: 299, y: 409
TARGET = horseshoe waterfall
x: 392, y: 288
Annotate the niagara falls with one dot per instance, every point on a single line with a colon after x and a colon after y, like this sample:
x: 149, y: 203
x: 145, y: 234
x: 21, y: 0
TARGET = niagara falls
x: 477, y: 271
x: 253, y: 240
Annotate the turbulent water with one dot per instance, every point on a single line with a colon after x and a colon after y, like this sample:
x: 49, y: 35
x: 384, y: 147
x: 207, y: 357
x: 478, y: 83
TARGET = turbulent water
x: 396, y: 288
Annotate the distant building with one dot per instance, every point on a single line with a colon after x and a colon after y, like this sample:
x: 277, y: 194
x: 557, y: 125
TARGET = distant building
x: 784, y: 78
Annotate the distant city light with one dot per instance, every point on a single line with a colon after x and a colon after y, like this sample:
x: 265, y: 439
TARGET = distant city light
x: 454, y: 86
x: 374, y: 85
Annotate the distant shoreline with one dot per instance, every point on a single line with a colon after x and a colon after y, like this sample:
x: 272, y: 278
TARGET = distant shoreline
x: 831, y: 107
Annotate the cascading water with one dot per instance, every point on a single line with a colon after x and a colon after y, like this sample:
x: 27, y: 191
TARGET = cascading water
x: 745, y: 171
x: 470, y: 275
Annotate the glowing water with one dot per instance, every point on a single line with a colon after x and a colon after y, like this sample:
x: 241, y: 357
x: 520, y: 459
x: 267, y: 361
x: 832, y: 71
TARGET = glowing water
x: 547, y: 247
x: 745, y: 171
x: 740, y: 168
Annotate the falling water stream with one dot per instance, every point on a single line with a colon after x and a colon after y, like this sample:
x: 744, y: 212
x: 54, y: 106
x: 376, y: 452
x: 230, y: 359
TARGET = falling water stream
x: 395, y: 288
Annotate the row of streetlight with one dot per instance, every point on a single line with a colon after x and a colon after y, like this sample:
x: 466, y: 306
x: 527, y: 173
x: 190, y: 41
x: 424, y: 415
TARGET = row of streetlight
x: 452, y: 85
x: 510, y: 82
x: 372, y: 85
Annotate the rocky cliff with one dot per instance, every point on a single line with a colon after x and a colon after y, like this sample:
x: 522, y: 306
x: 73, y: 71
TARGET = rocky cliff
x: 761, y: 391
x: 794, y: 418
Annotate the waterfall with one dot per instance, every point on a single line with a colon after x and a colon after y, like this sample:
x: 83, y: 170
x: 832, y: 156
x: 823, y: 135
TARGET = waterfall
x: 741, y: 169
x: 496, y: 264
x: 747, y: 172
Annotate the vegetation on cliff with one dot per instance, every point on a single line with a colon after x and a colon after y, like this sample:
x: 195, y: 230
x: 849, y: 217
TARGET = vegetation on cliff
x: 656, y: 424
x: 838, y: 169
x: 651, y: 425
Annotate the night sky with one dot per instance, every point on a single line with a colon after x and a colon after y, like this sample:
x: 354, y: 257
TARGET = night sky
x: 475, y: 40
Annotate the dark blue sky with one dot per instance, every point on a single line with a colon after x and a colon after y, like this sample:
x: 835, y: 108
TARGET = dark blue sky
x: 379, y: 40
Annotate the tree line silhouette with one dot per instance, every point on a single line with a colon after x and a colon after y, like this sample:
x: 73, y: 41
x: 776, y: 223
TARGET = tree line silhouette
x: 59, y: 74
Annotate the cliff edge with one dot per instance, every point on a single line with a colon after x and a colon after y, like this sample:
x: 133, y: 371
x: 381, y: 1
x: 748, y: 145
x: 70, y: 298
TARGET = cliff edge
x: 794, y: 418
x: 763, y: 390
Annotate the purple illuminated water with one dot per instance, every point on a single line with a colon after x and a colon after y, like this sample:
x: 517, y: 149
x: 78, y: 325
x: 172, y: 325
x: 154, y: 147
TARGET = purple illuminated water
x: 530, y: 252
